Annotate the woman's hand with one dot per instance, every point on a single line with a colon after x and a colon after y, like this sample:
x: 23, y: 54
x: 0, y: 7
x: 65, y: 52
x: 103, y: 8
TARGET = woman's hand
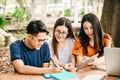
x: 94, y: 62
x: 68, y: 66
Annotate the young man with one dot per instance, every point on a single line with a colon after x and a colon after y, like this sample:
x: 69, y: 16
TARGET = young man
x: 31, y: 55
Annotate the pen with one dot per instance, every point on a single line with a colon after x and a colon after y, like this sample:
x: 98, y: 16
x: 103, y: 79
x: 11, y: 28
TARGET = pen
x: 56, y: 64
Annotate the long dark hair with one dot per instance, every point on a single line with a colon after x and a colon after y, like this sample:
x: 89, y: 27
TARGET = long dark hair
x: 60, y: 22
x: 97, y: 32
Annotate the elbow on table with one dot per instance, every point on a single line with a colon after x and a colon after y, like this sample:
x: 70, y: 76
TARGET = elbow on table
x: 21, y: 71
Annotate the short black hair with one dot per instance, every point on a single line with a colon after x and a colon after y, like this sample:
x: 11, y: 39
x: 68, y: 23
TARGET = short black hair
x: 35, y: 27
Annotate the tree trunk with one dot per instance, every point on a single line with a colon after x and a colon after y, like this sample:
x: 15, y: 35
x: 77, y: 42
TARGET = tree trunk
x: 110, y: 19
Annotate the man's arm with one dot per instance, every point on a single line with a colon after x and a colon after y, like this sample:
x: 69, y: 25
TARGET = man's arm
x: 46, y: 65
x: 26, y: 69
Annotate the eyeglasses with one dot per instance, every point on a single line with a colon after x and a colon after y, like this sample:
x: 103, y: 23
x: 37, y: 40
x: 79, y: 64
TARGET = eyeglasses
x: 39, y: 40
x: 61, y: 32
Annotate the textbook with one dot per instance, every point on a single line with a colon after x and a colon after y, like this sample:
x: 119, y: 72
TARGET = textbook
x: 65, y: 75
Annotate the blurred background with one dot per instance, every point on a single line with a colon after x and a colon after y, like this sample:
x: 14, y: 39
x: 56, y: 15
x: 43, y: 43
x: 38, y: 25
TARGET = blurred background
x: 16, y: 14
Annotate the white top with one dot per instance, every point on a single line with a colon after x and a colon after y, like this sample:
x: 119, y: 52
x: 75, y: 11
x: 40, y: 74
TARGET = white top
x: 64, y: 54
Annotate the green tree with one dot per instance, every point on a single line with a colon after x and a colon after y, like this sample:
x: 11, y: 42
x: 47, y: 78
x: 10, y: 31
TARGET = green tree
x: 67, y: 12
x: 19, y: 13
x: 2, y: 23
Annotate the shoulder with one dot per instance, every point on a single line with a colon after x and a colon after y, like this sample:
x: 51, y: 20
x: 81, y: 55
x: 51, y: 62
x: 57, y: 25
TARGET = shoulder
x: 77, y: 40
x: 16, y: 43
x: 49, y: 41
x: 16, y: 46
x: 45, y: 46
x: 107, y: 40
x: 70, y: 40
x: 107, y: 37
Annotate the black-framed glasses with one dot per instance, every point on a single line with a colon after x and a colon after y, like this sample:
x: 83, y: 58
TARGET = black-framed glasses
x: 61, y: 32
x: 39, y: 40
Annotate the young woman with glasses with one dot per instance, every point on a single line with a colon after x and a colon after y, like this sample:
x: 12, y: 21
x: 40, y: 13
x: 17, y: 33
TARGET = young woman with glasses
x: 62, y: 43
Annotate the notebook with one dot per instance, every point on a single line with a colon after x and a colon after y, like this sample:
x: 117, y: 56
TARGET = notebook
x: 85, y: 62
x: 112, y: 60
x: 65, y: 75
x: 118, y: 79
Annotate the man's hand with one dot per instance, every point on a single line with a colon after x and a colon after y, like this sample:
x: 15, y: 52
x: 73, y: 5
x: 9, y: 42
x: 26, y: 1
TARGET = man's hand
x: 57, y: 69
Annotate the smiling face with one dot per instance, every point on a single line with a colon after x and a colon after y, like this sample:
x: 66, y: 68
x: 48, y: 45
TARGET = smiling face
x: 88, y: 29
x: 61, y: 33
x: 35, y: 42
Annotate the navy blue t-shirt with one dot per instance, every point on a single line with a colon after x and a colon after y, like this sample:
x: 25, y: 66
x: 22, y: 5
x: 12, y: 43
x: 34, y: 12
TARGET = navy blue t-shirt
x: 31, y: 57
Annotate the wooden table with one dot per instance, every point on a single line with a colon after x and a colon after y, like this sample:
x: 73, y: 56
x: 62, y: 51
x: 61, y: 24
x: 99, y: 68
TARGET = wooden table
x: 81, y: 74
x: 88, y: 70
x: 15, y: 76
